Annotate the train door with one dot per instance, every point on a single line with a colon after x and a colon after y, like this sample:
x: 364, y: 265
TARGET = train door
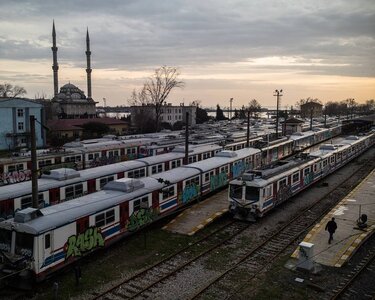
x: 6, y: 208
x: 124, y: 215
x: 47, y: 244
x: 91, y: 186
x: 166, y: 166
x: 54, y: 196
x: 155, y: 200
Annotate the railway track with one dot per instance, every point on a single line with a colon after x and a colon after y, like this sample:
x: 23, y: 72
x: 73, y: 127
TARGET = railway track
x: 143, y: 281
x: 351, y: 286
x: 257, y: 259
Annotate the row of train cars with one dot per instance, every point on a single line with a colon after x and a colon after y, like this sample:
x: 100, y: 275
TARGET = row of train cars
x: 41, y: 241
x: 63, y: 184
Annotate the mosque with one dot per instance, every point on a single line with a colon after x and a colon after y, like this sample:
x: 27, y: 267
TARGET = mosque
x: 71, y: 102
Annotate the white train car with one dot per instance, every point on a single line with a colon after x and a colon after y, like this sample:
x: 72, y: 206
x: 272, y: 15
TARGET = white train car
x: 41, y: 241
x: 259, y: 191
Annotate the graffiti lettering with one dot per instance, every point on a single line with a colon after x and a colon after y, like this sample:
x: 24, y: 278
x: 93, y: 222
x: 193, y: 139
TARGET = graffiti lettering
x: 283, y: 194
x: 218, y: 181
x: 104, y: 160
x: 83, y: 242
x: 190, y: 192
x: 140, y: 218
x: 239, y: 168
x: 15, y: 176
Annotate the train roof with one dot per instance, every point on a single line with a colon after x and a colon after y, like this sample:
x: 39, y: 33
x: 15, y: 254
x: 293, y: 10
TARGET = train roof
x: 57, y: 215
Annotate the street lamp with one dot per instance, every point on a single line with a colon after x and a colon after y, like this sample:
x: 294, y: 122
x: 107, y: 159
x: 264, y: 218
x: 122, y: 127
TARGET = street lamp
x: 278, y: 94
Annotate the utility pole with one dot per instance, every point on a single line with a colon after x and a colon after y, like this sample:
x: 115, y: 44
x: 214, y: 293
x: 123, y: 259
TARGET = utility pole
x: 34, y: 169
x: 278, y: 94
x: 311, y: 118
x: 230, y: 109
x: 248, y: 129
x: 187, y: 139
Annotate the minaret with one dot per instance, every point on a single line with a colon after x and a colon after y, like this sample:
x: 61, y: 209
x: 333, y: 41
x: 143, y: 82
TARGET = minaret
x: 55, y: 66
x: 88, y: 70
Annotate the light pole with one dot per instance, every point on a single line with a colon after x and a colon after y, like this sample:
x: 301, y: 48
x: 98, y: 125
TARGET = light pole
x: 278, y: 94
x: 230, y: 109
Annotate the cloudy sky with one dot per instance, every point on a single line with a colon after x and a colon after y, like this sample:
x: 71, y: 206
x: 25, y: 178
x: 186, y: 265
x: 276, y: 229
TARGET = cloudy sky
x: 223, y: 49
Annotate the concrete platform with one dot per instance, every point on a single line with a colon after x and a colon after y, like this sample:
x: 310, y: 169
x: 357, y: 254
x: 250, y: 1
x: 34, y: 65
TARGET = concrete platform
x: 348, y: 237
x: 199, y: 215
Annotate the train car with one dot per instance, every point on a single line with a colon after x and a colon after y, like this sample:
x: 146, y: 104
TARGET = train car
x: 63, y: 184
x: 42, y: 241
x: 259, y: 191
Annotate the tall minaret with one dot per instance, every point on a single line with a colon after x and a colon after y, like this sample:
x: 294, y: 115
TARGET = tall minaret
x: 88, y: 70
x: 55, y: 66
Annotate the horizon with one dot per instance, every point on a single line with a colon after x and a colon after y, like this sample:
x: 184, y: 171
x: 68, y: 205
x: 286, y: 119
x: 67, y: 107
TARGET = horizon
x: 223, y: 50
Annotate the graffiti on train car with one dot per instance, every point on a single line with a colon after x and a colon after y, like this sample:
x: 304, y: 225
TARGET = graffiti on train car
x: 218, y: 181
x: 15, y: 176
x: 104, y: 160
x: 239, y: 168
x: 190, y: 192
x: 76, y: 245
x: 140, y: 218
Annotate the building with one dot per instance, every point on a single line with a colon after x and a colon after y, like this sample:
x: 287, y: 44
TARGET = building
x: 71, y: 102
x: 15, y: 123
x: 169, y: 113
x: 291, y: 126
x: 73, y: 128
x: 311, y: 109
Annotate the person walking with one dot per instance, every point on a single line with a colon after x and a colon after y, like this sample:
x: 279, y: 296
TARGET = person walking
x: 331, y: 227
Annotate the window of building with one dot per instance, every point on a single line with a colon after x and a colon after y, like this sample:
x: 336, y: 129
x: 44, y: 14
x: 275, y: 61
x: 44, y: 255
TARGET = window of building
x: 20, y: 125
x: 20, y: 112
x: 295, y: 177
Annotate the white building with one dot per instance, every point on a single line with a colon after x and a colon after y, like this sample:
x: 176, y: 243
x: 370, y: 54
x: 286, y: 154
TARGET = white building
x: 169, y: 113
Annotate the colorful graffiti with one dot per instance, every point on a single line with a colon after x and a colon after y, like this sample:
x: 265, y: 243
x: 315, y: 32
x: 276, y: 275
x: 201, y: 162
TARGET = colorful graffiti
x: 83, y: 242
x: 218, y: 181
x: 140, y: 218
x: 190, y: 192
x: 239, y: 168
x: 308, y: 179
x: 15, y: 176
x: 104, y: 160
x: 283, y: 194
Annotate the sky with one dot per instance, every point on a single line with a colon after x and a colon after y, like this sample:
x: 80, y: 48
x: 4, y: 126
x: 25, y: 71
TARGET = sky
x: 240, y: 49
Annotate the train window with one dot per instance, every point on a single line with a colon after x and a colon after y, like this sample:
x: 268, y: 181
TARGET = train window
x: 224, y: 169
x: 92, y: 156
x: 5, y: 240
x: 295, y: 177
x: 13, y: 168
x: 194, y: 180
x: 332, y: 159
x: 325, y: 163
x: 252, y: 193
x: 24, y: 244
x: 235, y: 191
x: 208, y: 175
x: 137, y: 173
x: 99, y: 220
x: 192, y: 159
x: 168, y: 192
x: 176, y: 163
x: 140, y: 203
x: 281, y: 183
x: 110, y: 216
x: 306, y: 171
x: 28, y: 201
x: 43, y: 163
x: 267, y: 192
x: 206, y: 155
x: 73, y: 191
x: 47, y: 241
x: 157, y: 169
x: 104, y: 181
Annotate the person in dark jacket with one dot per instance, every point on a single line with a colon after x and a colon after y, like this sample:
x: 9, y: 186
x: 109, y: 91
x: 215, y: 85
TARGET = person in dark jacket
x: 331, y: 227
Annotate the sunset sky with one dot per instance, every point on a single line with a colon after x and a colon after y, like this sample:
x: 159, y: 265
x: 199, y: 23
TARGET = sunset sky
x: 223, y: 49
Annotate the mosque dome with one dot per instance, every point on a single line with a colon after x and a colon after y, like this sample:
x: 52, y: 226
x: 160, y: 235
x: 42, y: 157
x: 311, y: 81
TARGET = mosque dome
x: 70, y: 92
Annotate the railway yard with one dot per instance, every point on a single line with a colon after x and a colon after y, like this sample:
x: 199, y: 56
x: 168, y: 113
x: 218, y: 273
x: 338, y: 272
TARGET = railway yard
x: 221, y: 258
x: 229, y: 259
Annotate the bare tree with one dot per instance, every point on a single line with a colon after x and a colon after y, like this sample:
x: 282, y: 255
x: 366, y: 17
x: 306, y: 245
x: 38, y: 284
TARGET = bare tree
x: 254, y: 107
x: 158, y: 87
x: 7, y: 90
